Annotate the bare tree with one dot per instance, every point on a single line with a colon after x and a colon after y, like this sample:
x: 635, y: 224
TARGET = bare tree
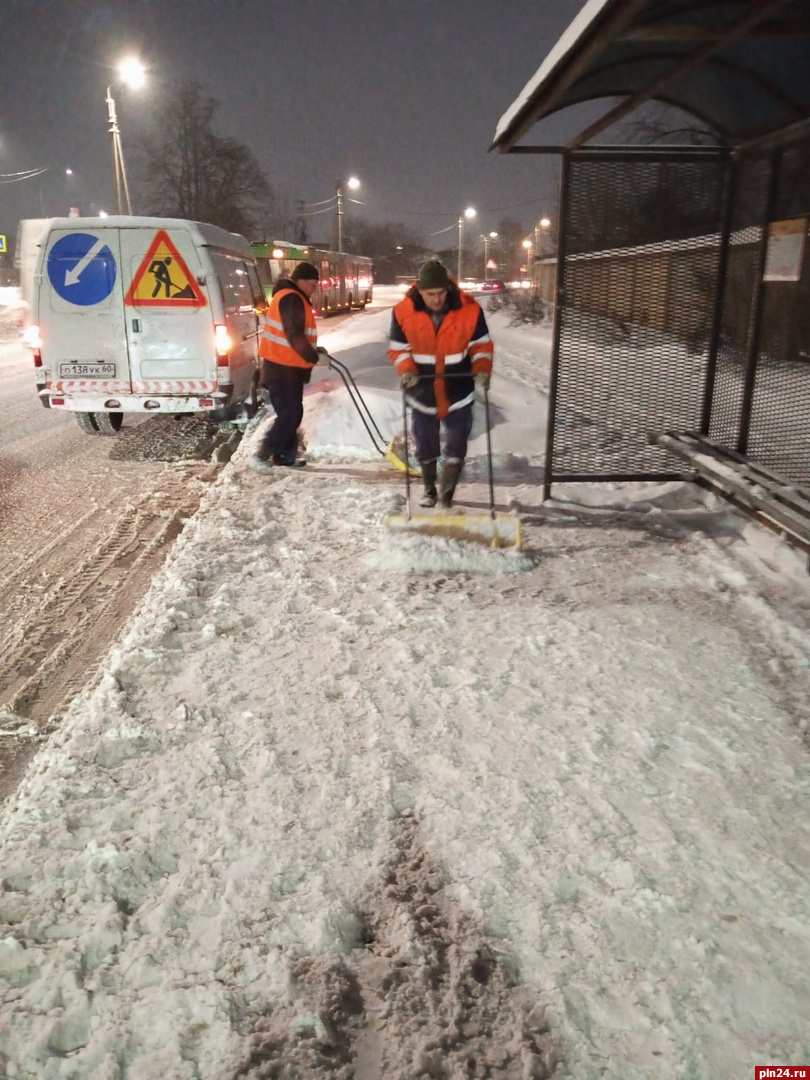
x: 395, y: 249
x: 191, y: 172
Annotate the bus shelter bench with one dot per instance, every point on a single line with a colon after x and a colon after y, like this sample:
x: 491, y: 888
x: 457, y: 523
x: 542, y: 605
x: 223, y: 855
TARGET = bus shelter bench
x: 781, y: 503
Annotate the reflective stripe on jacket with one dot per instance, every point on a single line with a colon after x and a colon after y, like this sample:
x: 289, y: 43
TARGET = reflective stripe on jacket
x: 273, y: 343
x: 461, y: 347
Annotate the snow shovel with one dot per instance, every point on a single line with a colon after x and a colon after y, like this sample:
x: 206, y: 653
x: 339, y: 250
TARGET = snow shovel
x: 496, y: 530
x: 392, y: 452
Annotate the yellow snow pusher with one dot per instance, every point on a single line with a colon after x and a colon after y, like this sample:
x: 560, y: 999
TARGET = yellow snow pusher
x: 495, y: 529
x: 393, y: 452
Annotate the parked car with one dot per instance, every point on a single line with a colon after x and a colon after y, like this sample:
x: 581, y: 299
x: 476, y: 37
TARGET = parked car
x: 493, y: 286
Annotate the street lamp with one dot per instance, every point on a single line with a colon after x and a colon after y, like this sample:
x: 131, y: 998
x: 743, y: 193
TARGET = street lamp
x: 486, y: 239
x: 131, y: 72
x: 353, y: 184
x: 469, y: 213
x: 528, y: 246
x: 542, y: 226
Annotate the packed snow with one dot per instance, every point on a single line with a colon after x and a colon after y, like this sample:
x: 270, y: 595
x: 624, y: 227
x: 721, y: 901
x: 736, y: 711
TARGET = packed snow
x: 348, y: 803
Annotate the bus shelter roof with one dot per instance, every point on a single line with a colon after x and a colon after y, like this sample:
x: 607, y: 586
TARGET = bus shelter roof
x: 742, y: 67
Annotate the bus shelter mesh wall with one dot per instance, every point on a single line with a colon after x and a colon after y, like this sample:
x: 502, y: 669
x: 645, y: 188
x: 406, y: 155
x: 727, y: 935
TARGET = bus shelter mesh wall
x: 638, y: 288
x: 778, y: 434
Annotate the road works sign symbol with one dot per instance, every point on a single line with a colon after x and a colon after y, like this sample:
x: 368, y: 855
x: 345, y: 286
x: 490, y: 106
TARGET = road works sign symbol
x: 163, y: 279
x: 82, y: 269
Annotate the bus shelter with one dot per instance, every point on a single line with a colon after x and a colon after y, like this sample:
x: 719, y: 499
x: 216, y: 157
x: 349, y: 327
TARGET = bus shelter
x: 682, y: 286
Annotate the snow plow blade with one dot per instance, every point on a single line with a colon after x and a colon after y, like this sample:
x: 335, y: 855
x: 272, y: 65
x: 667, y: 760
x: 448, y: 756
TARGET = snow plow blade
x: 495, y: 531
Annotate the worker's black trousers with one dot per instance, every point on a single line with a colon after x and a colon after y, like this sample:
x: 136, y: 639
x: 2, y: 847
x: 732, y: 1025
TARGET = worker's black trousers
x: 286, y: 393
x: 456, y: 427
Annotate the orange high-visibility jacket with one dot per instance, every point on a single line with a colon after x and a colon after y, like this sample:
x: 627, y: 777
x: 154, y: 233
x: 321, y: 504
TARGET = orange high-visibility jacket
x: 273, y: 344
x: 461, y: 347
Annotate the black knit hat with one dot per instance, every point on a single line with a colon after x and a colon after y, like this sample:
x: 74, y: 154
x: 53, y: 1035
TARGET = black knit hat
x: 433, y: 275
x: 305, y: 271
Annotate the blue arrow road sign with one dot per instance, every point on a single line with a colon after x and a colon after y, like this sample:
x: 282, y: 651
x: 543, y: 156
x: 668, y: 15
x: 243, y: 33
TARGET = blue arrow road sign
x: 82, y: 268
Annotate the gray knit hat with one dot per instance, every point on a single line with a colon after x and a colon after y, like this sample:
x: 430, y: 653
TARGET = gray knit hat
x: 305, y: 271
x: 433, y: 275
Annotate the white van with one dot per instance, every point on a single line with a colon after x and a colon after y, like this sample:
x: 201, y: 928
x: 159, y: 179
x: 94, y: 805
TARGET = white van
x: 144, y: 314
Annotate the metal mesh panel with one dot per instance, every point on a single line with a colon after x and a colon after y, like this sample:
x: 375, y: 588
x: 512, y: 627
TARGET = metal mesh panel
x: 779, y: 430
x: 738, y: 300
x: 778, y: 424
x: 637, y: 295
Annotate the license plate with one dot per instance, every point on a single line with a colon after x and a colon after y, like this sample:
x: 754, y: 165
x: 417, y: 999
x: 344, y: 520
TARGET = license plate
x: 95, y: 370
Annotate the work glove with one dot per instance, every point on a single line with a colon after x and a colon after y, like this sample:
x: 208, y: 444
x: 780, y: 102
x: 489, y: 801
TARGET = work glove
x: 482, y: 379
x: 324, y: 359
x: 408, y: 380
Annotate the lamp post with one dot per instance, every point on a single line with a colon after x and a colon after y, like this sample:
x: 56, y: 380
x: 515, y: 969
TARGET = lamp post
x: 353, y: 184
x: 542, y: 226
x: 469, y: 213
x: 487, y: 239
x: 528, y: 246
x: 131, y: 72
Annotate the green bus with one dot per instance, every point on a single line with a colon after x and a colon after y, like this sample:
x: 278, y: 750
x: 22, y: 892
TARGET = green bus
x: 345, y: 284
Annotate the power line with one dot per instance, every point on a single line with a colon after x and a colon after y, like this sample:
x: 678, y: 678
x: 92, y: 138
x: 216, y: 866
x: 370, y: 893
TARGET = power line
x: 15, y: 178
x: 440, y: 231
x: 25, y: 172
x: 542, y: 201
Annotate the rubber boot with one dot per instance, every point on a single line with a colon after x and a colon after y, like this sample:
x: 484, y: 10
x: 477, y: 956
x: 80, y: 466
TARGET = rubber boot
x: 429, y: 472
x: 450, y: 475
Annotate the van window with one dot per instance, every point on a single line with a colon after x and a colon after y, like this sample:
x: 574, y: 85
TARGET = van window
x: 255, y: 284
x: 265, y: 269
x: 237, y: 287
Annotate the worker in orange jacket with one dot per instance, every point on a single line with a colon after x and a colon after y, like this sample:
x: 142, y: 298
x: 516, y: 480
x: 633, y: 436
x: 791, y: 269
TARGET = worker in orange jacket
x: 289, y: 351
x: 441, y: 350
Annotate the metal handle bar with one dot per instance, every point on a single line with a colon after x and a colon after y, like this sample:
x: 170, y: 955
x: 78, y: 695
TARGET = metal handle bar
x: 359, y: 403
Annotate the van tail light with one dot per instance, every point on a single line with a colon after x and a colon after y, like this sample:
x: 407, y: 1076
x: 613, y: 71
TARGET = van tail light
x: 222, y: 339
x: 37, y: 358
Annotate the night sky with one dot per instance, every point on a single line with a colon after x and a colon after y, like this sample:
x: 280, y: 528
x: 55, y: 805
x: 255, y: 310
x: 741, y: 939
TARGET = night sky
x: 403, y: 94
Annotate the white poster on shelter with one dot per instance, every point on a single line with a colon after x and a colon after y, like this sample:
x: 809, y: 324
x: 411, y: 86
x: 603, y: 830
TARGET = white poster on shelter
x: 785, y: 255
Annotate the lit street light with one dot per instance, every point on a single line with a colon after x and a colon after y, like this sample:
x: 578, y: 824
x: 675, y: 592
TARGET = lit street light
x: 543, y: 225
x: 469, y: 213
x: 353, y: 184
x: 131, y: 72
x: 529, y: 265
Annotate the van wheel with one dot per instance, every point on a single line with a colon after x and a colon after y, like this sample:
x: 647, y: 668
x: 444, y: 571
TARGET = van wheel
x: 87, y: 422
x: 108, y: 423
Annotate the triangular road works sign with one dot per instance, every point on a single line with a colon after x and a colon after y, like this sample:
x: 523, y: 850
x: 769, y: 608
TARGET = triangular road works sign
x: 163, y: 279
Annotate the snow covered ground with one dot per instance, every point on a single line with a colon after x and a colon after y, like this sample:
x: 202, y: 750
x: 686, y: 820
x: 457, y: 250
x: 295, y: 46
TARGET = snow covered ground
x: 349, y: 804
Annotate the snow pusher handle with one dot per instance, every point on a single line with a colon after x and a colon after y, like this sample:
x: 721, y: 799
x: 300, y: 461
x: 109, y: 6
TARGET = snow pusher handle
x: 388, y: 451
x: 363, y: 411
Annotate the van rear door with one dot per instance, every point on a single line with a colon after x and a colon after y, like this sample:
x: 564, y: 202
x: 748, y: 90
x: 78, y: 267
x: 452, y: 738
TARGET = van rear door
x: 168, y: 312
x: 80, y: 311
x: 241, y: 295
